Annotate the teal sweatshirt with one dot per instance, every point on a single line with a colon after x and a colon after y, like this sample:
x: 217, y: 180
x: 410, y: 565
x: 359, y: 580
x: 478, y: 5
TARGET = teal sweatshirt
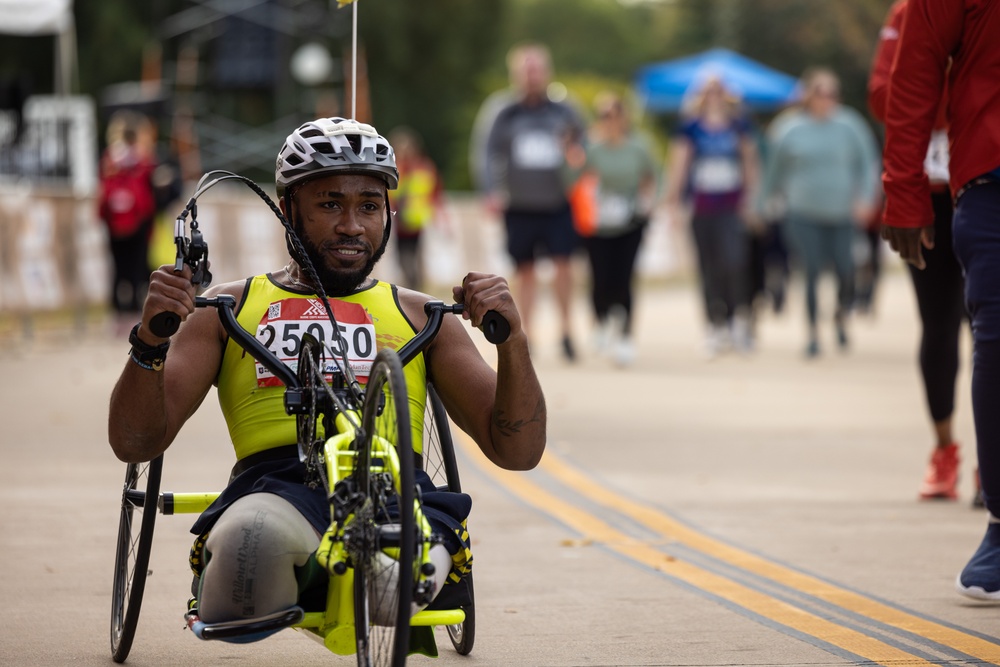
x: 821, y: 168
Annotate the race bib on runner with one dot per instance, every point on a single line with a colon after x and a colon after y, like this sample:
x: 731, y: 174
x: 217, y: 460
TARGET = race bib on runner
x: 285, y: 323
x: 937, y: 160
x: 713, y: 175
x: 614, y: 211
x: 536, y: 150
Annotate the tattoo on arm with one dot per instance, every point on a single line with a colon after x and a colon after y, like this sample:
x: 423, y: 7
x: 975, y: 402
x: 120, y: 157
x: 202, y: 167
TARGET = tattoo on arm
x: 509, y: 427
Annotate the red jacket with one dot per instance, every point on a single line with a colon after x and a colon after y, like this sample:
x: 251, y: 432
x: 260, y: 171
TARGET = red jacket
x: 934, y: 32
x: 885, y: 54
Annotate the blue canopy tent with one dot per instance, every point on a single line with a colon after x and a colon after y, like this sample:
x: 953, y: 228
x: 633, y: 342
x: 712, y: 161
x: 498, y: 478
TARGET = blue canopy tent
x: 661, y: 87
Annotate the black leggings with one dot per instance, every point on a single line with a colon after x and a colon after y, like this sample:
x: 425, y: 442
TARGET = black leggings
x: 612, y: 265
x: 723, y: 248
x: 130, y: 278
x: 939, y: 288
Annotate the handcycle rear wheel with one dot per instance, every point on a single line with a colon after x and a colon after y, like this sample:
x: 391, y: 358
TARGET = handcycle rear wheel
x: 135, y: 538
x: 438, y: 454
x: 382, y: 597
x: 440, y: 463
x: 463, y: 635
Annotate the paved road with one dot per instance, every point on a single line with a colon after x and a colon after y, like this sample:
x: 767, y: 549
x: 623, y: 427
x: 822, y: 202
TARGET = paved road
x: 748, y: 511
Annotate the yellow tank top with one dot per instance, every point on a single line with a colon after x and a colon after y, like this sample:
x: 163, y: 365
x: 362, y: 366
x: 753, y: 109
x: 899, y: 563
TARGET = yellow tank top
x: 415, y: 198
x: 252, y: 400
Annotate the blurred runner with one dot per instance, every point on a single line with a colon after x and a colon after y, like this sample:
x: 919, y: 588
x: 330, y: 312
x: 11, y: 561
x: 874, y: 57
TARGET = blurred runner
x: 938, y: 286
x: 625, y: 178
x: 525, y: 157
x: 416, y: 203
x: 127, y: 205
x: 822, y: 163
x: 714, y: 164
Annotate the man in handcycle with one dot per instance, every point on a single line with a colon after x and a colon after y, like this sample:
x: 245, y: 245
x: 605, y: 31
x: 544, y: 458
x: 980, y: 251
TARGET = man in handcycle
x: 332, y: 179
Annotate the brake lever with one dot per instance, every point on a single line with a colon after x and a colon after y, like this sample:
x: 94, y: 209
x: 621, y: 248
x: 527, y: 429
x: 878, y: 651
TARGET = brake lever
x: 193, y: 252
x: 197, y: 257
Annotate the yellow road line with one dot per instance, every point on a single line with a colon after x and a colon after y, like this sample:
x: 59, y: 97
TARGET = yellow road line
x: 674, y: 530
x: 759, y: 603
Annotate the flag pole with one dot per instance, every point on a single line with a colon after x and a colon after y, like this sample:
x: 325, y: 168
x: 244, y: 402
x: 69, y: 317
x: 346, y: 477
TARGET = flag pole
x: 354, y: 60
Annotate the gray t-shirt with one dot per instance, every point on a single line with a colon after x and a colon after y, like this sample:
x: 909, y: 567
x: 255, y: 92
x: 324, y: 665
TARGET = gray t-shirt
x: 525, y: 154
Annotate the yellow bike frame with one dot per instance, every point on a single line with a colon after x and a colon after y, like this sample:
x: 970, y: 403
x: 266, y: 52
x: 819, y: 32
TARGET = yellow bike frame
x: 334, y: 626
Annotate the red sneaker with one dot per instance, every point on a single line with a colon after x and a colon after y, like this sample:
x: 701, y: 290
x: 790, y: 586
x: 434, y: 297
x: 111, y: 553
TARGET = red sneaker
x: 941, y: 478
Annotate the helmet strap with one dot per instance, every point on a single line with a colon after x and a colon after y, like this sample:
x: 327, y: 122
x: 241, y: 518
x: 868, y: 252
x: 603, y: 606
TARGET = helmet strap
x: 292, y: 252
x: 388, y: 216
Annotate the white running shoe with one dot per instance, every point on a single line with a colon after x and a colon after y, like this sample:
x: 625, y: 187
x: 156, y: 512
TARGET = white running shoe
x: 716, y: 342
x: 601, y: 340
x: 741, y: 335
x: 625, y: 352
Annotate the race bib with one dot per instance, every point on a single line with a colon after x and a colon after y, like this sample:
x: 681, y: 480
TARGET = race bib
x: 536, y: 150
x: 936, y: 162
x: 614, y: 210
x: 285, y: 323
x: 712, y: 175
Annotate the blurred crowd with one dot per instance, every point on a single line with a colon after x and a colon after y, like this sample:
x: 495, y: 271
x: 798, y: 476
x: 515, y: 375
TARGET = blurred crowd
x: 759, y: 195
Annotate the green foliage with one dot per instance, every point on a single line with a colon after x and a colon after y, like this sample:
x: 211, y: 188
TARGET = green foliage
x: 431, y: 63
x: 601, y: 37
x: 111, y: 35
x: 424, y: 58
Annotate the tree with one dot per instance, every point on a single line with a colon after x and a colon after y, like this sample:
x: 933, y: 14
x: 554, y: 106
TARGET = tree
x: 424, y: 69
x: 431, y: 63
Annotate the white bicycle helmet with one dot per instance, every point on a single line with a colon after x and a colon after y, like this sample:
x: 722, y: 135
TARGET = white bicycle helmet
x: 331, y: 145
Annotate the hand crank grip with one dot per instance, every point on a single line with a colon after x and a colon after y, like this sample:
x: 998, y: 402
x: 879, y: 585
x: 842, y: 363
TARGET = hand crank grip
x: 165, y: 324
x: 495, y: 327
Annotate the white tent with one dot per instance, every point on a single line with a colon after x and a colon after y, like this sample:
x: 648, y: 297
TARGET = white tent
x: 45, y: 17
x: 35, y: 17
x: 60, y: 128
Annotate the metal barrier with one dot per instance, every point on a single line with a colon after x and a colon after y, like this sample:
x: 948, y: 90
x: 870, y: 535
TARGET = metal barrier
x: 54, y: 251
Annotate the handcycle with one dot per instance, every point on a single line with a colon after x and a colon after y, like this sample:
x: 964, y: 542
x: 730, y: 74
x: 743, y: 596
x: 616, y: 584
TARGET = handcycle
x: 366, y: 463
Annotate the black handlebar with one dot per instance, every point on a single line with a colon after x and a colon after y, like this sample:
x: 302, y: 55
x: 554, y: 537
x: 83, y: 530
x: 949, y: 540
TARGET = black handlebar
x: 225, y: 304
x: 436, y: 311
x: 495, y: 327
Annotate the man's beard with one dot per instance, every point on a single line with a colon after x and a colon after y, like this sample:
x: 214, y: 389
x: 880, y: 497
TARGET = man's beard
x: 337, y: 282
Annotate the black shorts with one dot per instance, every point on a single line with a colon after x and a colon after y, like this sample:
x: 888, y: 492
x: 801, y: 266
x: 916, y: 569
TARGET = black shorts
x: 534, y: 234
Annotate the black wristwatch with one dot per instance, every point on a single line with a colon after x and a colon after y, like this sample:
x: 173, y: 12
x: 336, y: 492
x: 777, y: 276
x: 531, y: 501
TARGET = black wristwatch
x: 149, y: 357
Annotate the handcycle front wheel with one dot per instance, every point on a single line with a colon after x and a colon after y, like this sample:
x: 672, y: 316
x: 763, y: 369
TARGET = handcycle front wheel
x: 384, y: 559
x: 311, y: 377
x: 135, y: 538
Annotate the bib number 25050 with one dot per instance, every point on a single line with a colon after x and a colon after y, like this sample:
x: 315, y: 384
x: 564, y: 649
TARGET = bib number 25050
x: 282, y: 329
